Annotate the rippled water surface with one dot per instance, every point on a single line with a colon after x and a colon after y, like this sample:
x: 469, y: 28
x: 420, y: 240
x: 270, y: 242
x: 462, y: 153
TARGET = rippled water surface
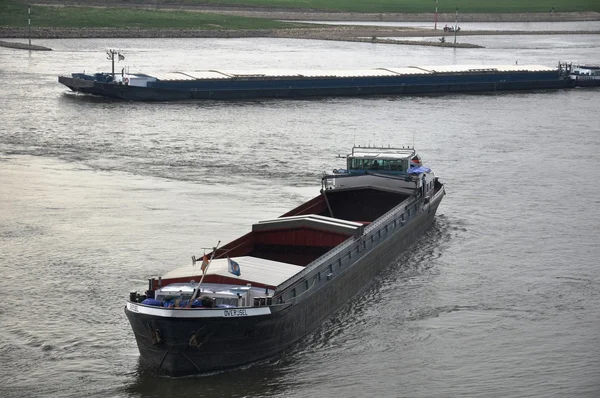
x: 499, y: 299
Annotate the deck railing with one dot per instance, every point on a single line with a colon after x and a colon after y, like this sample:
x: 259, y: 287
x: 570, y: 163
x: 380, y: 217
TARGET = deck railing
x: 344, y: 255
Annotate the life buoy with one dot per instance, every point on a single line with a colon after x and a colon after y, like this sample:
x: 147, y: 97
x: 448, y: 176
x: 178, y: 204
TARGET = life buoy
x: 126, y: 80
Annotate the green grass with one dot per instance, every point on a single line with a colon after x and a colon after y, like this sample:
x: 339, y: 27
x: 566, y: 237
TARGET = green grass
x: 411, y: 6
x: 14, y: 14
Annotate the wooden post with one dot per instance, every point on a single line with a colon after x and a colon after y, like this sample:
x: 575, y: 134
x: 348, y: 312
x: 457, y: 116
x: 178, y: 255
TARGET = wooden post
x: 29, y: 21
x: 455, y: 25
x: 435, y: 20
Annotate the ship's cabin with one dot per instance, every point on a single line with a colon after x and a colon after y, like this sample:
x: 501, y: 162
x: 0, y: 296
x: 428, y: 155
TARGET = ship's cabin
x: 382, y: 160
x: 586, y: 70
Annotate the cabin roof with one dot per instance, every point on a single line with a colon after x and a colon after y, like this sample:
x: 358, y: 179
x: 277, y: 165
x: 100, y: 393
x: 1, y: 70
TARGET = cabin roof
x: 382, y: 153
x: 309, y: 221
x: 253, y: 270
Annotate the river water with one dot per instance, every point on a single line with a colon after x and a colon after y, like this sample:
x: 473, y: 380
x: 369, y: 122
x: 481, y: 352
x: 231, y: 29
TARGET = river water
x: 500, y: 299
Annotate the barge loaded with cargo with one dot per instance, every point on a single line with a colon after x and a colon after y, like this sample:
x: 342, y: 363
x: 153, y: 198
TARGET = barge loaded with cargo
x: 262, y: 292
x: 228, y: 85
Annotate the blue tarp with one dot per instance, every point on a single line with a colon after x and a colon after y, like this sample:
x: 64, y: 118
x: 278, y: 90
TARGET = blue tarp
x: 151, y: 301
x: 419, y: 170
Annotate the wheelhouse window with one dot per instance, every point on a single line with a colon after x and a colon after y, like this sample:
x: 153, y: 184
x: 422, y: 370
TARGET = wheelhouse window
x: 376, y: 164
x: 355, y: 164
x: 393, y: 165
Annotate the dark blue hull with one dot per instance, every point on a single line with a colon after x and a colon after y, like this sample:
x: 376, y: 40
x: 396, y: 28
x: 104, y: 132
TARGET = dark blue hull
x: 301, y: 87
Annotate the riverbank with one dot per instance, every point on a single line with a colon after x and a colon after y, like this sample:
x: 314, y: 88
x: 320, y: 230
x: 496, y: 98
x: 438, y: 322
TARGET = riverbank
x: 302, y: 14
x: 316, y: 33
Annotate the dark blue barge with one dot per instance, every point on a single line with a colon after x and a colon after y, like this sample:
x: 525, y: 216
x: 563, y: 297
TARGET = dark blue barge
x: 228, y: 85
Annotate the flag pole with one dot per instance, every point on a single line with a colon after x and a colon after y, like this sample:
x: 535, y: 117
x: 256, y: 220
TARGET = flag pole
x: 197, y: 288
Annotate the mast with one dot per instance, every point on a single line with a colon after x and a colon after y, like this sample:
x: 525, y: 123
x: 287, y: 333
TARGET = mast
x: 111, y: 56
x: 197, y: 289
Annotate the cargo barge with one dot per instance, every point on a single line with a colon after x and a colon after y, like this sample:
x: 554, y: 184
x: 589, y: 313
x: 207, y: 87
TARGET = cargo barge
x: 232, y: 85
x: 262, y: 292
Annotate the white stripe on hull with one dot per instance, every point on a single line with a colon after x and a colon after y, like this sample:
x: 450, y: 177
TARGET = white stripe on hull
x: 198, y: 312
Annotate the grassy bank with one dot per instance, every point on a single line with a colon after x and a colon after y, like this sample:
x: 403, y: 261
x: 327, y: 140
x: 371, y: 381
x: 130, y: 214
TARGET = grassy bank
x: 391, y: 6
x: 91, y: 14
x: 14, y: 14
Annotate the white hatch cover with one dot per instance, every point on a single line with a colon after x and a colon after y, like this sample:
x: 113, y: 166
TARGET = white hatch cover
x: 253, y: 269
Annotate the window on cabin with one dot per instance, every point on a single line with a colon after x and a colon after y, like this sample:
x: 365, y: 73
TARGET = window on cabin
x: 393, y: 165
x: 355, y: 164
x: 376, y: 164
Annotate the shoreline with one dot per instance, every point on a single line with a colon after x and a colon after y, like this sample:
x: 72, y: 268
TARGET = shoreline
x: 338, y: 32
x: 318, y: 32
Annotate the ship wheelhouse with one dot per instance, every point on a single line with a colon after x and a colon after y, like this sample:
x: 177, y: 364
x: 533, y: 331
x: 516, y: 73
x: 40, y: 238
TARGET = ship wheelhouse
x: 394, y: 169
x: 382, y: 160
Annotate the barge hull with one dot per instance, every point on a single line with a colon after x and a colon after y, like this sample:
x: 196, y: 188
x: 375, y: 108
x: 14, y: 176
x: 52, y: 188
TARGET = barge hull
x: 307, y: 89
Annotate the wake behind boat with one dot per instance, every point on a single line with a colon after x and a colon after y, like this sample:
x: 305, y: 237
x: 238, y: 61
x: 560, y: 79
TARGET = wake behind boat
x: 260, y: 293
